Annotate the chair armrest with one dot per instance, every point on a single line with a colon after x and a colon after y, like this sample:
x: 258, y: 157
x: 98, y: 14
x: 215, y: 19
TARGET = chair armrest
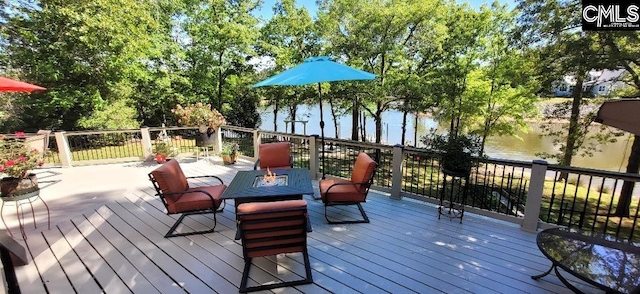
x: 210, y: 176
x: 326, y: 193
x: 255, y: 165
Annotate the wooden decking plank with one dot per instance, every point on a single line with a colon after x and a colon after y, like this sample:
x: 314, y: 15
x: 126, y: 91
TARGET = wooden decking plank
x: 107, y: 260
x: 134, y: 248
x: 54, y: 277
x: 28, y: 276
x: 497, y: 259
x: 192, y: 270
x: 81, y: 279
x: 410, y: 251
x: 102, y: 273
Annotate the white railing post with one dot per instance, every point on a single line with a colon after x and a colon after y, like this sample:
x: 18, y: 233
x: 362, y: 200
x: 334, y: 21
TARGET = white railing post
x: 396, y: 182
x: 63, y: 149
x: 314, y: 159
x: 147, y: 147
x: 534, y: 196
x: 256, y: 143
x: 217, y: 147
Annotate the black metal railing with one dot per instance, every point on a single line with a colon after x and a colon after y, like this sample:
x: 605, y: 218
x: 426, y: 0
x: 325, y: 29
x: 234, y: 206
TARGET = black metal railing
x: 299, y: 146
x: 103, y: 145
x: 340, y: 155
x: 181, y: 139
x: 589, y: 200
x: 241, y: 136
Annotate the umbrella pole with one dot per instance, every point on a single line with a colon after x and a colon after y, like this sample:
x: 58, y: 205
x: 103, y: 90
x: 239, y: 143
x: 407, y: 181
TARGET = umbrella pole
x: 321, y: 129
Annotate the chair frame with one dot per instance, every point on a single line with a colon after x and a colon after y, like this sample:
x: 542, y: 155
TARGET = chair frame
x: 308, y: 279
x: 162, y: 196
x: 328, y: 202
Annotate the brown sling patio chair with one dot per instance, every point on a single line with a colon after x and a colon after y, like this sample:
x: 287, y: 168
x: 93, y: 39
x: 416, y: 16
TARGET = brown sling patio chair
x: 350, y: 192
x: 276, y: 155
x: 173, y: 189
x: 271, y: 228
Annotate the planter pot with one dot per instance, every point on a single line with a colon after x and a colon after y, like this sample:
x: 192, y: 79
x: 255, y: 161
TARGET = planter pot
x: 206, y: 140
x: 14, y: 187
x: 229, y: 159
x: 161, y: 158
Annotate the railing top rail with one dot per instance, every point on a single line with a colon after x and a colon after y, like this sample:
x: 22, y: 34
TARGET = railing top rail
x: 595, y: 172
x: 78, y: 133
x: 285, y: 134
x: 360, y: 144
x: 156, y: 129
x: 516, y: 163
x: 234, y: 128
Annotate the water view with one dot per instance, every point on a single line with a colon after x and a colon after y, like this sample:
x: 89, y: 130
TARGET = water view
x: 613, y: 158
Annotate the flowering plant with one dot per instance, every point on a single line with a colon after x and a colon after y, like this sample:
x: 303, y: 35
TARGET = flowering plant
x: 17, y: 158
x: 199, y: 114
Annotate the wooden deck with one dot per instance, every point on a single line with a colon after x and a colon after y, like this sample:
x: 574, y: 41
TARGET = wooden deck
x: 107, y: 236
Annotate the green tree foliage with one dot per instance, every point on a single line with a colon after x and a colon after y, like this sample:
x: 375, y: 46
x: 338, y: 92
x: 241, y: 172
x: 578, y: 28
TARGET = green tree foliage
x: 85, y: 53
x: 288, y: 38
x: 219, y: 41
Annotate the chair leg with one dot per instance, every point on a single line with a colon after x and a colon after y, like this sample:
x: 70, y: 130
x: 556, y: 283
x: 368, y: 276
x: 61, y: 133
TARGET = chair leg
x: 364, y: 219
x: 221, y: 208
x: 245, y: 276
x: 173, y: 228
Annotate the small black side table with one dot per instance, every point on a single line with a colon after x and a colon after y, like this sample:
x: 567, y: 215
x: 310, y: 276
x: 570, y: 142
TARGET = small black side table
x: 453, y: 194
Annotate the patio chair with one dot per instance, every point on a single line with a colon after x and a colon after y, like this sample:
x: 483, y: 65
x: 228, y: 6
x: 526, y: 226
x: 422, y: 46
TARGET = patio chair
x: 173, y: 189
x: 350, y: 192
x: 276, y: 155
x: 271, y: 228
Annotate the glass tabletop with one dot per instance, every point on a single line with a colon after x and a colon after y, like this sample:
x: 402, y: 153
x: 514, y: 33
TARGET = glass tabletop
x: 602, y: 260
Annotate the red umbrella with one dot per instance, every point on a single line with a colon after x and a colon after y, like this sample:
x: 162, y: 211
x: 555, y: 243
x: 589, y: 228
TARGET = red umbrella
x: 9, y: 85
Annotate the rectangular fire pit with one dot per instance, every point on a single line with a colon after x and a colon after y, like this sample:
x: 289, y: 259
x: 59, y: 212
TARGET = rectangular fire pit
x: 278, y: 181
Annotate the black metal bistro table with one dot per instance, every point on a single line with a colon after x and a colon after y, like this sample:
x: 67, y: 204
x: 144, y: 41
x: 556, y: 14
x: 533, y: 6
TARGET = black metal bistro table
x: 608, y: 263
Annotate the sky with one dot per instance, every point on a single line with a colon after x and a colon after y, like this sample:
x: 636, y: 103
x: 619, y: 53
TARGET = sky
x: 267, y: 8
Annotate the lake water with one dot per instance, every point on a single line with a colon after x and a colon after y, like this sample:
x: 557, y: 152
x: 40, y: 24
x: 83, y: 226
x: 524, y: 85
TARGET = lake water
x: 613, y: 158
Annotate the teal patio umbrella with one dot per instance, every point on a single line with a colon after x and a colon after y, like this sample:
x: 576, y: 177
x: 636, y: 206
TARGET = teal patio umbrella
x: 317, y: 70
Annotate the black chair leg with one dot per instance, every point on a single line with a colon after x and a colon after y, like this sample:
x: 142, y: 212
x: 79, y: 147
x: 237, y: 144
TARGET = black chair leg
x: 245, y: 276
x: 175, y: 226
x: 364, y: 219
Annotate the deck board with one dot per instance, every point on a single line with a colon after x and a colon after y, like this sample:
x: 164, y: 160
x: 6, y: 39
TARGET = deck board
x: 116, y: 245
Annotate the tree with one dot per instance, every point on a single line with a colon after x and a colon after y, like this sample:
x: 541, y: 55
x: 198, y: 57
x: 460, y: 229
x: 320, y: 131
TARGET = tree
x: 289, y: 37
x: 623, y: 48
x: 553, y: 27
x: 221, y: 35
x: 373, y: 35
x: 87, y: 54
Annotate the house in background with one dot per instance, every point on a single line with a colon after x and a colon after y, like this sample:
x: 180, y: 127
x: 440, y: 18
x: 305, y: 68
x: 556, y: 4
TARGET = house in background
x: 598, y: 82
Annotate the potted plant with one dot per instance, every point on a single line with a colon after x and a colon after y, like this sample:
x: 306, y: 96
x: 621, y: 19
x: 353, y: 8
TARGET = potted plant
x: 457, y: 152
x: 204, y: 117
x: 229, y: 152
x: 162, y: 150
x: 16, y: 161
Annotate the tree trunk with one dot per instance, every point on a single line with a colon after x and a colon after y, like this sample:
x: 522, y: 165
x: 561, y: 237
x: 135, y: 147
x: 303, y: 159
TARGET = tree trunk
x: 633, y: 166
x: 355, y: 119
x: 404, y: 126
x: 220, y: 81
x: 378, y: 121
x: 415, y: 131
x: 573, y: 125
x: 364, y: 127
x: 293, y: 110
x: 333, y: 115
x: 275, y: 116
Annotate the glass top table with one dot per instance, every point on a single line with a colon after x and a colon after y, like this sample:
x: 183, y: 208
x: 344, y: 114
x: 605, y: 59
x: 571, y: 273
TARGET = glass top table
x: 602, y: 260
